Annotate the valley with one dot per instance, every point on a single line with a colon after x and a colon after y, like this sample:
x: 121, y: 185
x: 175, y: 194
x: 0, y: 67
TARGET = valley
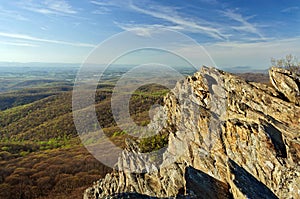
x: 41, y: 155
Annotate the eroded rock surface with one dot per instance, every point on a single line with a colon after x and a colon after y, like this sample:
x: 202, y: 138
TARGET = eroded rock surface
x: 227, y: 139
x: 287, y: 83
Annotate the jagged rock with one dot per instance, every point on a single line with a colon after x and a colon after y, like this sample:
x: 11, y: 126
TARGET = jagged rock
x: 248, y: 186
x: 202, y: 186
x: 287, y: 83
x: 228, y: 138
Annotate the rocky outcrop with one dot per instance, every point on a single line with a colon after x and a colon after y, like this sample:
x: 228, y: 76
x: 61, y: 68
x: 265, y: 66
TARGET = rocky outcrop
x: 228, y: 138
x: 287, y: 83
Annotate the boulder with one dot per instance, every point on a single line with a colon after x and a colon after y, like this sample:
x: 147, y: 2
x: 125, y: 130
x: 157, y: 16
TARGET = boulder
x: 287, y: 83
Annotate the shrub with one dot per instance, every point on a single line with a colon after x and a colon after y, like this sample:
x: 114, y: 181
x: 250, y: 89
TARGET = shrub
x: 290, y: 63
x: 154, y: 143
x: 118, y: 133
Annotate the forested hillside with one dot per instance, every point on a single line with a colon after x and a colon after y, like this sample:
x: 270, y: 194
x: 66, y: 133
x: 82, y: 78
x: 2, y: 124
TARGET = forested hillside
x: 41, y: 155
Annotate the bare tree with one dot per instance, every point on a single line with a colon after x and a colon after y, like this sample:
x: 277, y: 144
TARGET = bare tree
x: 290, y: 63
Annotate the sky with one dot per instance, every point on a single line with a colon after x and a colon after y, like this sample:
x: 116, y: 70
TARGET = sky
x: 234, y: 33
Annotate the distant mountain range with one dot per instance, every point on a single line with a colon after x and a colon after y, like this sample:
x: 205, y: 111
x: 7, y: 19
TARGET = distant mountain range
x: 235, y: 69
x: 37, y: 64
x: 244, y: 69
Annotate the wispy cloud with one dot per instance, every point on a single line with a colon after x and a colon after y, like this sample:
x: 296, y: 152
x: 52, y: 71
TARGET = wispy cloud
x: 101, y: 11
x: 145, y: 29
x: 245, y: 26
x: 105, y: 3
x: 18, y: 44
x: 59, y: 7
x: 209, y: 1
x: 5, y: 13
x: 139, y: 29
x: 106, y: 6
x: 290, y: 9
x: 31, y: 38
x: 44, y: 28
x: 170, y: 14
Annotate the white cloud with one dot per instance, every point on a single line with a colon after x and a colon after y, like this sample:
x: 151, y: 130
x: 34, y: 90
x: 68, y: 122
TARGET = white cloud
x: 4, y: 13
x: 104, y: 3
x: 170, y: 14
x: 290, y: 9
x: 245, y: 25
x: 30, y: 38
x: 44, y: 28
x: 105, y: 6
x: 145, y: 29
x: 209, y: 1
x: 172, y: 18
x: 41, y: 10
x: 58, y: 7
x: 18, y: 44
x: 101, y: 11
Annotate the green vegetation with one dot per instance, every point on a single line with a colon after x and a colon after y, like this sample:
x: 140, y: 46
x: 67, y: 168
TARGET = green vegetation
x: 118, y: 133
x: 56, y: 173
x: 26, y: 96
x: 41, y: 155
x: 153, y: 143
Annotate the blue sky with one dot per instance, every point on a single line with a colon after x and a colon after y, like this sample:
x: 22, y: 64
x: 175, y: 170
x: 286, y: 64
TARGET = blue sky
x: 235, y: 33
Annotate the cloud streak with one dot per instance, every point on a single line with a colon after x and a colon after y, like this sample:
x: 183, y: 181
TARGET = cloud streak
x: 101, y: 11
x: 145, y: 29
x: 30, y: 38
x: 104, y: 3
x: 4, y: 13
x: 245, y: 25
x: 169, y: 14
x: 173, y: 18
x: 106, y: 6
x: 18, y: 44
x: 58, y: 7
x: 290, y: 9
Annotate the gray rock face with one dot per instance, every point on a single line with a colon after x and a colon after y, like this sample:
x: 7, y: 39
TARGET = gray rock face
x: 227, y: 139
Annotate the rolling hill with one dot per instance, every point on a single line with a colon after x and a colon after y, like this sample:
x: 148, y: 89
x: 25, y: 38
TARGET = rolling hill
x: 41, y: 155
